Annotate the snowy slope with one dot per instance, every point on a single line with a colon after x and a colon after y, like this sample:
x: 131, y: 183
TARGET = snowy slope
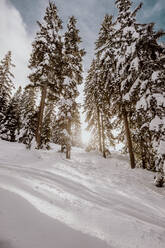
x: 101, y: 198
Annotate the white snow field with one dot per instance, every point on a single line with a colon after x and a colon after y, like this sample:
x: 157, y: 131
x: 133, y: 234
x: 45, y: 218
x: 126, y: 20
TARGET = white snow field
x: 47, y: 201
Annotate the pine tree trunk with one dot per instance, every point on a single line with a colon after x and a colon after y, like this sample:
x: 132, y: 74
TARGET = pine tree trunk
x: 99, y: 129
x: 40, y: 117
x: 62, y: 148
x: 103, y: 135
x: 128, y: 135
x: 68, y: 147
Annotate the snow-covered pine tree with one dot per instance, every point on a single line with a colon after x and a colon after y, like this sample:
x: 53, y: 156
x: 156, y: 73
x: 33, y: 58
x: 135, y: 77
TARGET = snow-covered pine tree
x: 91, y: 107
x: 6, y: 84
x: 93, y: 141
x: 112, y: 48
x: 76, y: 128
x: 46, y: 60
x: 47, y: 128
x: 98, y: 78
x: 148, y: 95
x: 141, y: 149
x: 127, y: 32
x: 72, y: 72
x: 11, y: 124
x: 57, y: 127
x: 96, y: 107
x: 28, y: 117
x: 106, y: 45
x: 63, y: 124
x: 107, y: 49
x: 142, y: 67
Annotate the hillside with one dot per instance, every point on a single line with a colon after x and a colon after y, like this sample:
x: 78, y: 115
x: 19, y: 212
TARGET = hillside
x: 88, y: 201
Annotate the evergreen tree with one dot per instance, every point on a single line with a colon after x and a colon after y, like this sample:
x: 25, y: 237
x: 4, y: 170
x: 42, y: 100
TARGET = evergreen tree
x: 147, y: 95
x: 97, y: 102
x: 47, y: 128
x: 107, y: 49
x: 46, y: 60
x: 76, y: 128
x: 63, y: 125
x: 11, y: 124
x: 6, y: 84
x: 72, y: 78
x: 128, y: 32
x: 114, y: 46
x: 91, y: 106
x: 28, y: 117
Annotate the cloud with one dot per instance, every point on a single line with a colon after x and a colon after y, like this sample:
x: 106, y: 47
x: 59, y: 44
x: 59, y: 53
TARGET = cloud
x: 14, y: 38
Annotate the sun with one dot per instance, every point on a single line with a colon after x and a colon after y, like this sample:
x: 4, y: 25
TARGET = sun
x: 85, y: 137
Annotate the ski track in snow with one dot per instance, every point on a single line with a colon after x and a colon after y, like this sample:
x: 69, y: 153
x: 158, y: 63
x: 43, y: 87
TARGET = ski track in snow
x: 97, y: 196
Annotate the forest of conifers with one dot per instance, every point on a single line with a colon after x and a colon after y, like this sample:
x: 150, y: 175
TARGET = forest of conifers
x: 124, y: 92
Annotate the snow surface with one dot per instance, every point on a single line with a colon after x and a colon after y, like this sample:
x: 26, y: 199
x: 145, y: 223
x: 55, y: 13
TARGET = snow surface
x: 88, y: 201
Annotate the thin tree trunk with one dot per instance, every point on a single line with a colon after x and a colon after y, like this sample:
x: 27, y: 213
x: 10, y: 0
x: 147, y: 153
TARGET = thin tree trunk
x: 99, y: 129
x: 68, y: 146
x: 40, y: 117
x: 103, y: 135
x: 62, y: 148
x: 128, y: 135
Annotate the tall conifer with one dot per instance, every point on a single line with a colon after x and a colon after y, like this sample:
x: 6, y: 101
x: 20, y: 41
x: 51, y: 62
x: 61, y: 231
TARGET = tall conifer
x: 6, y: 84
x: 72, y: 72
x: 28, y: 117
x: 10, y: 126
x: 46, y: 60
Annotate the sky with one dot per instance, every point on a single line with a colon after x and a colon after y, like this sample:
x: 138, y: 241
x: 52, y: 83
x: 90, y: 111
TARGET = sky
x: 18, y: 25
